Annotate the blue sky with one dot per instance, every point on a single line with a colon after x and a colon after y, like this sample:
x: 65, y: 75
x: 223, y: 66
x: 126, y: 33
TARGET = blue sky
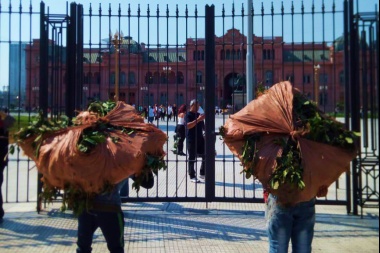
x: 291, y: 29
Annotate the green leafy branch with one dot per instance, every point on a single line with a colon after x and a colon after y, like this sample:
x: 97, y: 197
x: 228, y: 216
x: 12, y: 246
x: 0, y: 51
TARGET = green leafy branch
x: 152, y: 165
x: 289, y: 168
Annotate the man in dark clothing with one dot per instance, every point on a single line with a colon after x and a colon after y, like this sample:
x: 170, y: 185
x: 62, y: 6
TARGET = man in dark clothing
x: 195, y: 140
x: 6, y: 121
x: 174, y: 109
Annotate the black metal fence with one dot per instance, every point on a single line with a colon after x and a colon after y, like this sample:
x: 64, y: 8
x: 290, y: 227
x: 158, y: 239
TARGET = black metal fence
x: 172, y: 54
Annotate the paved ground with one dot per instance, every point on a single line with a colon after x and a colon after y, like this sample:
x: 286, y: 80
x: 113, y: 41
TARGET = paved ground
x: 184, y: 227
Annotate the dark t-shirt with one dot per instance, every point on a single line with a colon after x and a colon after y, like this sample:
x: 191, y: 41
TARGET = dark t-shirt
x: 197, y: 131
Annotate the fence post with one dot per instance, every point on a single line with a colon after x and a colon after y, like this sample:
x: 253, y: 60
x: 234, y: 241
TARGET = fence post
x: 210, y: 101
x: 43, y: 91
x: 70, y: 63
x: 346, y: 93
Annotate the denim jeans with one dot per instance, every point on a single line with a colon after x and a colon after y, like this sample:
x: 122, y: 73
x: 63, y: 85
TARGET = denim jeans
x: 295, y: 223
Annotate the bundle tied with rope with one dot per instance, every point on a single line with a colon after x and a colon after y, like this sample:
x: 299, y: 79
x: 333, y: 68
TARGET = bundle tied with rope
x: 288, y: 144
x: 99, y: 150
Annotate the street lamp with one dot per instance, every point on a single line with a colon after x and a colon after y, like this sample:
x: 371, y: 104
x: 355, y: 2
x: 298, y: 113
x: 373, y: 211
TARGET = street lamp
x: 316, y: 83
x: 117, y: 39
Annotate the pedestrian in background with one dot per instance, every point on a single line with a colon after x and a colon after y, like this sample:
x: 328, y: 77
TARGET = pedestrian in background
x: 170, y: 112
x: 180, y: 131
x: 6, y: 122
x: 150, y: 115
x: 194, y: 140
x: 174, y: 108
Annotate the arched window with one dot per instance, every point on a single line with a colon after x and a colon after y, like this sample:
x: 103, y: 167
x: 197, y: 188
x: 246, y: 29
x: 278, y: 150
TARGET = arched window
x: 97, y: 78
x: 268, y: 78
x: 149, y: 78
x: 180, y: 78
x: 90, y: 78
x: 199, y: 77
x: 228, y: 54
x: 112, y: 78
x: 131, y: 78
x: 85, y: 79
x: 341, y: 78
x: 122, y: 79
x: 156, y: 78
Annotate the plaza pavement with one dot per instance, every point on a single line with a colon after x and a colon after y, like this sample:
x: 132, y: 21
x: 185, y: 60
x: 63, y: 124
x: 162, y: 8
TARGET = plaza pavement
x: 184, y: 227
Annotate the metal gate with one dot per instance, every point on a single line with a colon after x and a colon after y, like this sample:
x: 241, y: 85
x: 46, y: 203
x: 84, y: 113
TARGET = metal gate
x: 362, y: 82
x: 170, y: 57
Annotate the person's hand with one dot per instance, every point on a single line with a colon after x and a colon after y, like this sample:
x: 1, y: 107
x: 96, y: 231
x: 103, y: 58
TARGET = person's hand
x: 201, y: 117
x: 322, y: 191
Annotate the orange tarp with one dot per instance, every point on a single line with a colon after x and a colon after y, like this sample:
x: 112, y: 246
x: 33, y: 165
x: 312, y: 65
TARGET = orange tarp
x: 272, y: 116
x: 61, y: 162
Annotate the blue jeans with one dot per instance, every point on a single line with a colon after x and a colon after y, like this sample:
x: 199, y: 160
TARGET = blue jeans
x: 294, y: 223
x: 111, y: 224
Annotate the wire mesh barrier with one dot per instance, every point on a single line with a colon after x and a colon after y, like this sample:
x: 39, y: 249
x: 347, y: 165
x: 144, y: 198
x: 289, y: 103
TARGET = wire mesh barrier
x: 57, y: 59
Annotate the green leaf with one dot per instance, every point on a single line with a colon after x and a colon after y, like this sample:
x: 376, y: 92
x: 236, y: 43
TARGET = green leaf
x: 349, y: 140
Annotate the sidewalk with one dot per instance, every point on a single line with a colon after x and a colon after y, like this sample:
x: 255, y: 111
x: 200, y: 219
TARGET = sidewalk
x: 184, y: 227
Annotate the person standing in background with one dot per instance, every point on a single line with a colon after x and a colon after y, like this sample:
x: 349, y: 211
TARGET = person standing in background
x: 170, y: 112
x: 180, y: 131
x: 150, y: 115
x: 195, y: 141
x: 6, y: 122
x: 174, y: 108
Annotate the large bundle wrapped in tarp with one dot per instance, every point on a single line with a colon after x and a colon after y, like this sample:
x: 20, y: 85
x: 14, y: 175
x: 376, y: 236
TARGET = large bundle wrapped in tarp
x: 285, y: 125
x: 122, y: 151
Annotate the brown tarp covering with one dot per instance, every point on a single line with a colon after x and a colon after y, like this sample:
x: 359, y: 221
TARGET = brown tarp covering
x: 271, y: 115
x: 61, y: 162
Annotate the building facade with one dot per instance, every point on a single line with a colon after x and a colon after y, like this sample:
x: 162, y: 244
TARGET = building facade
x: 175, y: 75
x: 17, y: 73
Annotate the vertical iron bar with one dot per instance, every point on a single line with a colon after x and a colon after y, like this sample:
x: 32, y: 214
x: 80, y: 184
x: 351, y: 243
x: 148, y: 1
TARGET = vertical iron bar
x: 43, y: 85
x: 347, y: 26
x: 355, y: 102
x: 79, y: 58
x: 70, y: 63
x: 210, y: 101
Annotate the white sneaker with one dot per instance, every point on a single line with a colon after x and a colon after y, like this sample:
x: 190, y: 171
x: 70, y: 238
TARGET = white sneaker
x: 202, y: 177
x: 195, y: 180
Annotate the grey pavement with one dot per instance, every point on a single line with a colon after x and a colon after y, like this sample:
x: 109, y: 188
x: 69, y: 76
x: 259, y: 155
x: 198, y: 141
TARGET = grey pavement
x: 184, y: 227
x: 179, y: 227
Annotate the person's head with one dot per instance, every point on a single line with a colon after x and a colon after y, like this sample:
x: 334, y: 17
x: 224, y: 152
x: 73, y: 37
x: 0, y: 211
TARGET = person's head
x: 194, y: 105
x: 182, y: 108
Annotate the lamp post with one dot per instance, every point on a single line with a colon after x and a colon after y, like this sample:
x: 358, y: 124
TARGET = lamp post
x: 117, y: 39
x: 316, y: 83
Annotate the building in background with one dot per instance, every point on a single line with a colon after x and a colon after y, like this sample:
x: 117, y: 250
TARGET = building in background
x: 17, y: 74
x: 175, y: 75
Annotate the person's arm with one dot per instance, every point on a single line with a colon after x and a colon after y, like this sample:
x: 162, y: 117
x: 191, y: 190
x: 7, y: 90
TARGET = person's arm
x: 193, y: 123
